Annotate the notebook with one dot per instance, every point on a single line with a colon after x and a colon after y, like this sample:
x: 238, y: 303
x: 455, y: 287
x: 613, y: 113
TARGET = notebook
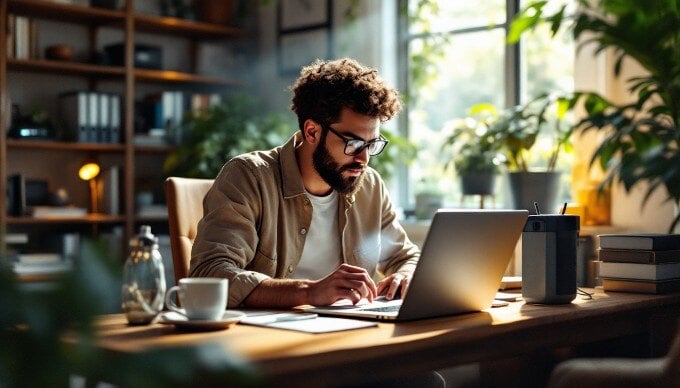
x: 461, y: 266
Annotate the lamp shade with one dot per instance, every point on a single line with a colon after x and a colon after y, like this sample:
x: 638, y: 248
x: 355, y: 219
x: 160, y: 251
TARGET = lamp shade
x: 89, y: 170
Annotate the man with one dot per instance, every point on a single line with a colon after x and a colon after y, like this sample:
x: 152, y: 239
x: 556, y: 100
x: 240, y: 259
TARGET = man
x: 309, y: 222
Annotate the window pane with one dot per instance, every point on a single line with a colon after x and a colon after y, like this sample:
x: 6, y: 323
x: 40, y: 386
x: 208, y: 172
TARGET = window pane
x: 548, y: 68
x: 447, y: 15
x: 470, y: 72
x: 548, y: 63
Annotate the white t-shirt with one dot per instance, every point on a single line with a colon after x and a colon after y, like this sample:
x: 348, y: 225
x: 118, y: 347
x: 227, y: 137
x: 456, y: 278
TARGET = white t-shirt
x: 321, y: 254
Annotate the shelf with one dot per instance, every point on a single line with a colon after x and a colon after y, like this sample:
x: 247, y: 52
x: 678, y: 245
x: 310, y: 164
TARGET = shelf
x: 184, y: 28
x: 99, y: 71
x: 65, y: 68
x: 151, y: 218
x: 66, y: 12
x: 88, y: 219
x: 63, y: 146
x: 93, y: 16
x: 167, y: 76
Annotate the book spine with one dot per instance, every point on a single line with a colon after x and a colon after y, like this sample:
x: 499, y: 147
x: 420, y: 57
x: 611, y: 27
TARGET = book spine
x: 639, y: 256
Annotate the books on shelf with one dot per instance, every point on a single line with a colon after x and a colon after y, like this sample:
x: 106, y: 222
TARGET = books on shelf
x: 16, y: 238
x: 109, y: 187
x: 639, y: 271
x: 650, y: 241
x: 90, y: 117
x: 40, y: 264
x: 641, y: 286
x: 641, y: 256
x: 57, y: 211
x: 154, y: 211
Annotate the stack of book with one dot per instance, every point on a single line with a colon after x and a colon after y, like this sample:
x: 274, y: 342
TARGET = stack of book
x: 644, y: 263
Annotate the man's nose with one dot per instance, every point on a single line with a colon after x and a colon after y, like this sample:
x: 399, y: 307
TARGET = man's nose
x: 363, y: 156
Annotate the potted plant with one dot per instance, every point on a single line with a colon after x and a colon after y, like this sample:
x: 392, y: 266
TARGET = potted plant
x: 217, y: 134
x: 475, y: 154
x: 532, y: 169
x: 642, y: 142
x: 399, y: 151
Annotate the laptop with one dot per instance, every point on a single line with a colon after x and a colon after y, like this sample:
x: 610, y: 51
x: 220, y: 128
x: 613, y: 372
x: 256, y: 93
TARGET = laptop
x: 461, y: 266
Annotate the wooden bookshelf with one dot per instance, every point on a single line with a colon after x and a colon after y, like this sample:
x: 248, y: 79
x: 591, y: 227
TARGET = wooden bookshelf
x: 88, y: 219
x: 128, y: 153
x: 63, y: 145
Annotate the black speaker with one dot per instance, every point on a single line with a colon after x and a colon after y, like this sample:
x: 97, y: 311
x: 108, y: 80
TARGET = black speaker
x: 549, y: 245
x: 16, y: 195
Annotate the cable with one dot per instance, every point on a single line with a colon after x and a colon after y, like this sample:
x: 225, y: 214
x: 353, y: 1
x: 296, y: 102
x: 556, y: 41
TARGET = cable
x: 585, y: 294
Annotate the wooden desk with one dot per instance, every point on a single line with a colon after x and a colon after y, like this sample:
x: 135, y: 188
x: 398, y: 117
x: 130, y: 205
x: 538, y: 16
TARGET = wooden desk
x: 288, y: 358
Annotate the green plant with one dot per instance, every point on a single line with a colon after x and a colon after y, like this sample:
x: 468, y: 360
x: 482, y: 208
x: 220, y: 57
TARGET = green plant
x: 400, y: 150
x: 48, y: 333
x: 642, y: 142
x: 472, y: 149
x: 518, y: 131
x: 217, y: 134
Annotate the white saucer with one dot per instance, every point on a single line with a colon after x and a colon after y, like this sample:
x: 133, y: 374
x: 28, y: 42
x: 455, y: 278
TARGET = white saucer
x: 229, y: 318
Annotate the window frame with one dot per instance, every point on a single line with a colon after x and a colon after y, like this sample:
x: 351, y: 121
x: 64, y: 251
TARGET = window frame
x: 512, y: 76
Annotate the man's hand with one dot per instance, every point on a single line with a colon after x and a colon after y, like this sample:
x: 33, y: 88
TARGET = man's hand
x: 392, y: 283
x: 346, y: 282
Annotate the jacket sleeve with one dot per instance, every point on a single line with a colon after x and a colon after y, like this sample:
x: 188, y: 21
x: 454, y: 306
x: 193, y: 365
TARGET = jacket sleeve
x: 398, y: 253
x: 226, y: 240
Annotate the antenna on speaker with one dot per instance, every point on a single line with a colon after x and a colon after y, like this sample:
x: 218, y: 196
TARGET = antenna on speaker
x: 538, y: 209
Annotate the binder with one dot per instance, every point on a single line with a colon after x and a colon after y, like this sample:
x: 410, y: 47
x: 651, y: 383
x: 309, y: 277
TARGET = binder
x: 73, y: 110
x: 104, y: 127
x: 93, y: 116
x: 167, y: 110
x: 114, y: 103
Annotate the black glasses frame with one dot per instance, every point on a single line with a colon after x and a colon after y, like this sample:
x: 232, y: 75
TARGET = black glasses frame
x: 358, y: 145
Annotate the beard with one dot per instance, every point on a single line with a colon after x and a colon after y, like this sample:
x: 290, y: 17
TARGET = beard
x: 331, y: 172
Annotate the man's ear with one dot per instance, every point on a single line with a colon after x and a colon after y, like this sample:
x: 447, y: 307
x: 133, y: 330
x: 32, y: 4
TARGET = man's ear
x: 311, y: 131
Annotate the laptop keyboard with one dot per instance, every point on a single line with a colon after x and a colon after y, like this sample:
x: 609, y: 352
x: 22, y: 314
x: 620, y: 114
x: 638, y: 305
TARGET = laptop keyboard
x: 383, y: 309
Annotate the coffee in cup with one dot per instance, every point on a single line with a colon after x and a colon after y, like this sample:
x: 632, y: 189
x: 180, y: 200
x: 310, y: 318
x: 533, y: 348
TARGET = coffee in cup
x: 201, y: 298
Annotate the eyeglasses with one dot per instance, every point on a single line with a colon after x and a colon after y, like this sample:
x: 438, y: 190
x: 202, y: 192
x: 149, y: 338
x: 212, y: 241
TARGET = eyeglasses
x: 354, y: 147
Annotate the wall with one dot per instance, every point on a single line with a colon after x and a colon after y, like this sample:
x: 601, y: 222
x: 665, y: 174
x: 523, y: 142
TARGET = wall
x: 366, y: 39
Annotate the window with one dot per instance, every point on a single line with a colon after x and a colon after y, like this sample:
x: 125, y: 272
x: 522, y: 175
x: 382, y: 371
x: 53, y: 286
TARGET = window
x: 457, y: 57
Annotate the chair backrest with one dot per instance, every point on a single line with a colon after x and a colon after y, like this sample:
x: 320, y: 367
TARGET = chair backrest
x: 185, y: 209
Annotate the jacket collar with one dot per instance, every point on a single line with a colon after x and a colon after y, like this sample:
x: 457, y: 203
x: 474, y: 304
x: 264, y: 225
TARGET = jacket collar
x: 291, y: 179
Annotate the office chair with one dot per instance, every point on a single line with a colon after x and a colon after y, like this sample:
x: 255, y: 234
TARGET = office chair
x: 185, y: 209
x: 620, y: 372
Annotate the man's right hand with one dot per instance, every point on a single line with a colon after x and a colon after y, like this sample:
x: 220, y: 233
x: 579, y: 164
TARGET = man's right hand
x: 346, y: 282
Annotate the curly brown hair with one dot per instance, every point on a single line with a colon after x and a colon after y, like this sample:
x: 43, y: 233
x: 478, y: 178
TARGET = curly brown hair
x: 324, y: 88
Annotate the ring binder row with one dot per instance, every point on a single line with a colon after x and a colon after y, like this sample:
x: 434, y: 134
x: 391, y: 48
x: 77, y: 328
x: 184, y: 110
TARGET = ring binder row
x: 90, y: 117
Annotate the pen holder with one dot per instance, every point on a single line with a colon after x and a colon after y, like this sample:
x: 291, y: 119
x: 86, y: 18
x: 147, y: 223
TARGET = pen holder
x: 549, y: 243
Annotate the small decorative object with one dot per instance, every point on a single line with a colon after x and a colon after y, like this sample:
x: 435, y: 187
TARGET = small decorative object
x: 182, y: 9
x: 143, y: 279
x: 59, y: 52
x: 215, y: 11
x: 36, y: 125
x: 59, y: 197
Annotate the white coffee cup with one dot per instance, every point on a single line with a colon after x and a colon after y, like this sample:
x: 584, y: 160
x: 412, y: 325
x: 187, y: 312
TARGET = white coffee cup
x: 201, y: 298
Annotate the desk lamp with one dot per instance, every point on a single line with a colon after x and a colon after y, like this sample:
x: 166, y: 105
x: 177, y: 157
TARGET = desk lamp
x: 88, y: 172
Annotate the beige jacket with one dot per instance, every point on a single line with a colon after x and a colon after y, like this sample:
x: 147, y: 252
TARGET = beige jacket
x: 256, y: 217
